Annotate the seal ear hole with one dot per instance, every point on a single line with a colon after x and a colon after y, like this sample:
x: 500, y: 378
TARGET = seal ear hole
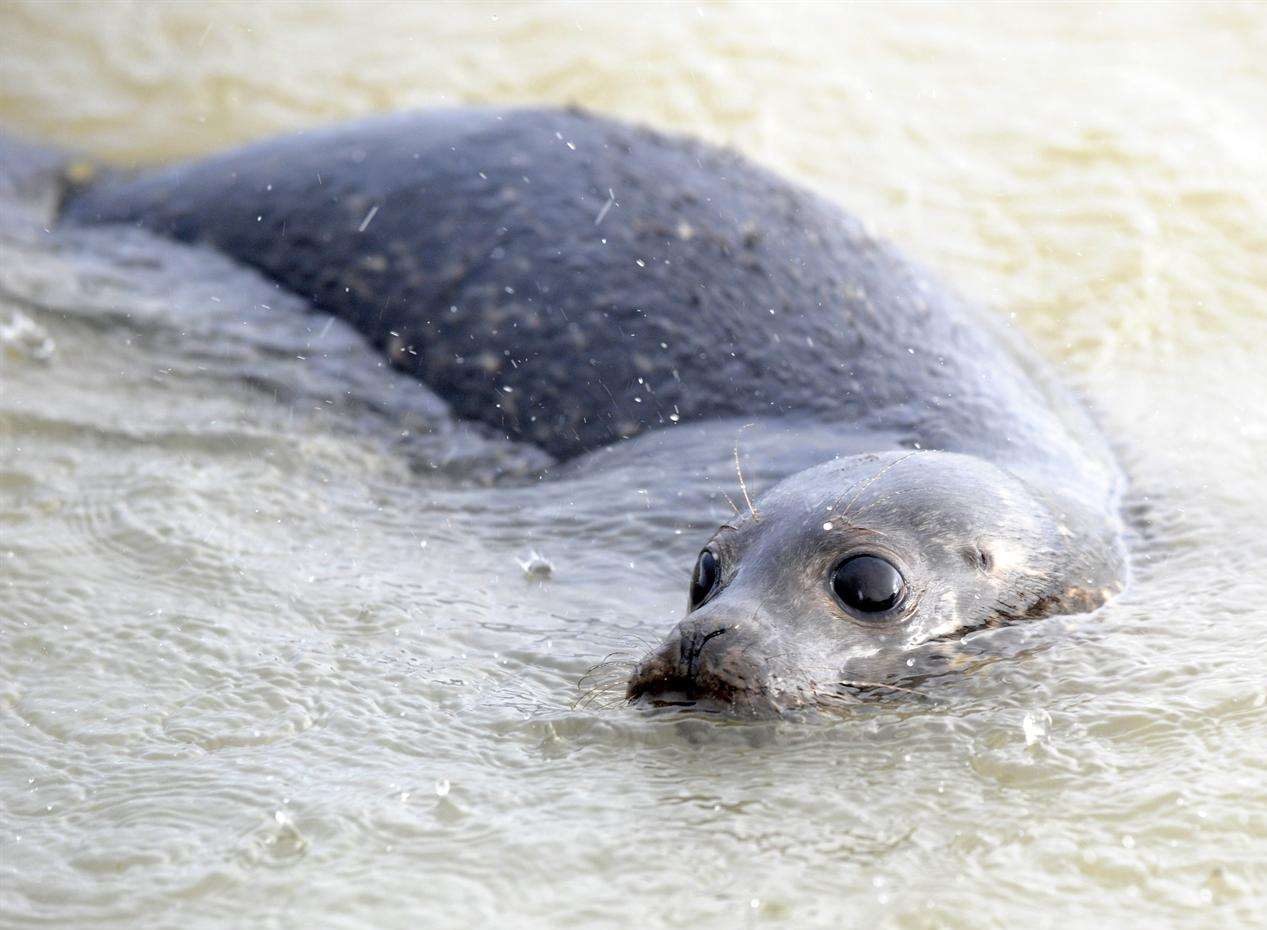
x: 978, y: 557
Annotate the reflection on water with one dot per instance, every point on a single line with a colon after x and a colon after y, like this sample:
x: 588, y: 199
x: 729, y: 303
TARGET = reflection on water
x: 269, y: 658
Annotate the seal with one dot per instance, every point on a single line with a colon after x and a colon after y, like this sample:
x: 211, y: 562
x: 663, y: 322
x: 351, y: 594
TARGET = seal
x: 586, y: 285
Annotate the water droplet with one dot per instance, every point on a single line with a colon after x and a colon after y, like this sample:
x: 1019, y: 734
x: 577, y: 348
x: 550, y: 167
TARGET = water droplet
x: 1034, y: 725
x: 536, y: 565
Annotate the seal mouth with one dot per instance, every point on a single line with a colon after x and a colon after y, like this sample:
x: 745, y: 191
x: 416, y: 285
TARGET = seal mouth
x: 679, y: 691
x: 651, y: 687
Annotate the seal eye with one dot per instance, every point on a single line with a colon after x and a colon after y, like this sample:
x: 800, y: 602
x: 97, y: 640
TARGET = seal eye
x: 868, y: 584
x: 703, y: 579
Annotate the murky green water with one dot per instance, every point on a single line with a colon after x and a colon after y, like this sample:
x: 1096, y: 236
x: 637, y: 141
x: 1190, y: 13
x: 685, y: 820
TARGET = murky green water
x: 267, y: 660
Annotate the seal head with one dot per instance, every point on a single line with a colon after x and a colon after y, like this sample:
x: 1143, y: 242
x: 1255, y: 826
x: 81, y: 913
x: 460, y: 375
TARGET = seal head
x: 853, y: 573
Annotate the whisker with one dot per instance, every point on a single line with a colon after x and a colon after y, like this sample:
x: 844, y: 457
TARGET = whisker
x: 606, y: 677
x: 743, y: 485
x: 591, y: 697
x: 833, y: 699
x: 872, y: 480
x: 591, y: 680
x: 880, y: 684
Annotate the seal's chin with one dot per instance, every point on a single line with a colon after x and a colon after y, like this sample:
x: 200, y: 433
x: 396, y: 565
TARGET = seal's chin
x: 741, y: 706
x: 659, y: 692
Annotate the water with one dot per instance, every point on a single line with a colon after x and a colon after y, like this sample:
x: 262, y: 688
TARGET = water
x: 269, y: 654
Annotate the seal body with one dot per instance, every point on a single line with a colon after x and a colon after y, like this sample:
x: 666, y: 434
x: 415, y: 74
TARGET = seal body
x: 575, y: 282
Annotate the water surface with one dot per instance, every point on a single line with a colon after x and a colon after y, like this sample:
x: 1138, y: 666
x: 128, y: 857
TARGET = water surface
x: 269, y: 655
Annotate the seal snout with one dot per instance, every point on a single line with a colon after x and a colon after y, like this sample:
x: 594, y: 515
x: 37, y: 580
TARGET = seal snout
x: 708, y: 663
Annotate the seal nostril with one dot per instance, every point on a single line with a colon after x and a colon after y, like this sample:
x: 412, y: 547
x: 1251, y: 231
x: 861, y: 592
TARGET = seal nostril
x: 695, y: 646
